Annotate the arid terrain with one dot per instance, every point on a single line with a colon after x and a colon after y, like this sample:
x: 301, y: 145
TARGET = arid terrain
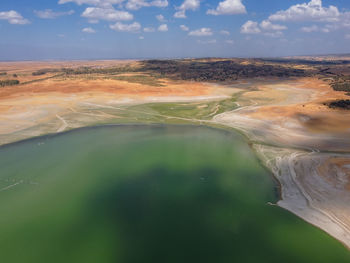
x: 283, y: 107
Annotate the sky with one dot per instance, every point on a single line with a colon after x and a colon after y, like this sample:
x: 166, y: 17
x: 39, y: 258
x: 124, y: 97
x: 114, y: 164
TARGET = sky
x: 140, y: 29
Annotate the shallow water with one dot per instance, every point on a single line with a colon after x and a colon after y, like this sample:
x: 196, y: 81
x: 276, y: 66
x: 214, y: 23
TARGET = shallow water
x: 147, y: 194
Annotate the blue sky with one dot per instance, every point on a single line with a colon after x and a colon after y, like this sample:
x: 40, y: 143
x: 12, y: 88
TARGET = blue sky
x: 108, y: 29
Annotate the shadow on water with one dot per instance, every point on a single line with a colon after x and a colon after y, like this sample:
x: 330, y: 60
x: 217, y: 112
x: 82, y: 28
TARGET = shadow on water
x: 165, y: 216
x: 169, y: 216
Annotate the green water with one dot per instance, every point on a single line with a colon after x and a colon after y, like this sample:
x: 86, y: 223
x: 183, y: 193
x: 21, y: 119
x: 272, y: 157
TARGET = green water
x: 147, y: 194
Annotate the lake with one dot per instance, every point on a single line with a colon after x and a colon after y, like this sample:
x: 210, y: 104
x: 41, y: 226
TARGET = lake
x: 148, y: 193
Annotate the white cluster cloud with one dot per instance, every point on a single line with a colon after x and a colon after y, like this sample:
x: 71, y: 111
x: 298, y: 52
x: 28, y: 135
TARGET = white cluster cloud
x: 129, y: 4
x: 250, y: 27
x: 163, y: 28
x: 137, y: 4
x: 159, y: 3
x: 268, y: 26
x: 13, y: 17
x: 312, y: 11
x: 202, y: 32
x: 228, y: 7
x: 88, y: 30
x: 187, y: 5
x: 105, y: 10
x: 330, y: 17
x: 92, y: 2
x: 94, y: 14
x: 184, y: 28
x: 265, y: 27
x: 50, y: 14
x: 134, y: 27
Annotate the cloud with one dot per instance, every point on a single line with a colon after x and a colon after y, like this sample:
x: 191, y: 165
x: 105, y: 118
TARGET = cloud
x: 224, y: 32
x: 110, y: 14
x: 230, y: 42
x: 130, y: 4
x: 228, y: 7
x: 180, y: 14
x: 184, y: 28
x: 161, y: 18
x: 141, y: 37
x: 312, y: 11
x: 330, y: 18
x: 159, y: 3
x: 347, y: 36
x: 265, y: 27
x: 163, y: 28
x: 49, y: 14
x: 250, y: 27
x: 211, y: 41
x: 268, y: 26
x: 346, y: 19
x: 137, y: 4
x: 104, y: 3
x: 13, y: 18
x: 203, y: 32
x: 187, y: 5
x: 315, y: 28
x: 134, y: 27
x: 88, y: 30
x: 273, y: 34
x: 309, y: 29
x: 149, y: 29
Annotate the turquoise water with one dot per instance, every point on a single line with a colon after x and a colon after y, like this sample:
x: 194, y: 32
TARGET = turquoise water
x: 147, y: 194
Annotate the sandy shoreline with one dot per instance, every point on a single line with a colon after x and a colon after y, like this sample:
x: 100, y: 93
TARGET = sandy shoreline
x: 304, y: 191
x: 313, y: 186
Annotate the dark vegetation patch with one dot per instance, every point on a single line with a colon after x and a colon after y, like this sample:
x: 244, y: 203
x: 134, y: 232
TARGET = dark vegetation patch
x: 42, y: 79
x: 341, y: 83
x: 9, y: 82
x: 3, y: 73
x: 224, y: 70
x: 307, y: 61
x: 215, y: 70
x: 41, y: 72
x: 342, y: 104
x: 91, y: 70
x: 141, y: 79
